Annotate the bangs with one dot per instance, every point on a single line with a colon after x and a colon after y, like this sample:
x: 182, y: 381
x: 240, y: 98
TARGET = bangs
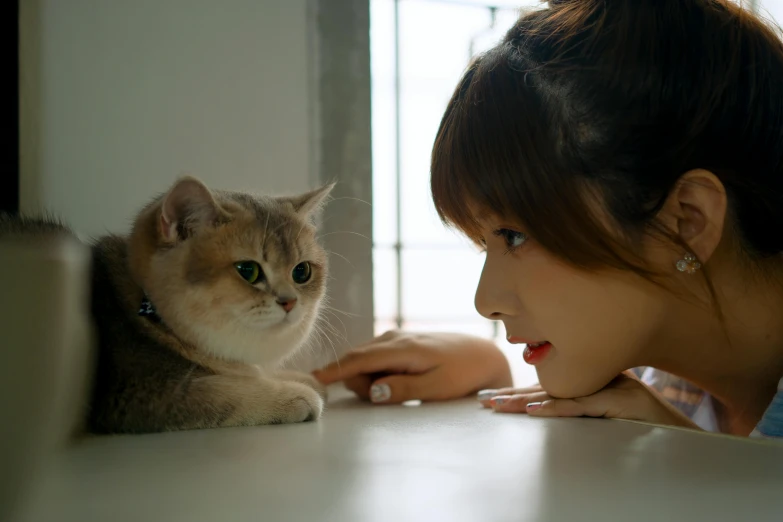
x: 504, y: 149
x: 475, y: 163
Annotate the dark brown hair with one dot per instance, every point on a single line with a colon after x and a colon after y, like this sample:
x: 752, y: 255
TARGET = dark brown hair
x: 613, y: 100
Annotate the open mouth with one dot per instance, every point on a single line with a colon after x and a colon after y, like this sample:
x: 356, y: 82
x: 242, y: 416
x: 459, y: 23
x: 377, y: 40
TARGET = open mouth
x: 536, y: 352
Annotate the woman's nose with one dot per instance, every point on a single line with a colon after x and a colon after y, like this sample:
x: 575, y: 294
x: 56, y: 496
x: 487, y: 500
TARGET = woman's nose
x: 494, y: 295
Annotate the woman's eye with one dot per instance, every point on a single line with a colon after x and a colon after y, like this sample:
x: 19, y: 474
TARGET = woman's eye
x: 250, y: 271
x: 512, y: 238
x: 302, y: 273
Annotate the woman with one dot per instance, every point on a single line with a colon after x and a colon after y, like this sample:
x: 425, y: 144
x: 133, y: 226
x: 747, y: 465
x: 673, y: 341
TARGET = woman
x: 621, y: 161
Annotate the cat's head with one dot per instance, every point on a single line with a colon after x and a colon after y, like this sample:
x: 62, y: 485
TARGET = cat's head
x: 238, y: 276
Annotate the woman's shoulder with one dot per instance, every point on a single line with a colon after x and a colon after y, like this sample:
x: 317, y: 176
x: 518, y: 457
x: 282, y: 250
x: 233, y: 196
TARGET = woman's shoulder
x: 697, y: 404
x: 692, y: 401
x: 771, y: 424
x: 680, y: 393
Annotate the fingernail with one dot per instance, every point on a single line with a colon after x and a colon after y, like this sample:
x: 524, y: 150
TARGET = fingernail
x: 500, y: 399
x: 380, y: 392
x: 485, y: 395
x: 533, y: 406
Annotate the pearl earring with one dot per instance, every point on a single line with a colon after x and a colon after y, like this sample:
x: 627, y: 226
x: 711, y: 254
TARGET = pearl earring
x: 689, y: 264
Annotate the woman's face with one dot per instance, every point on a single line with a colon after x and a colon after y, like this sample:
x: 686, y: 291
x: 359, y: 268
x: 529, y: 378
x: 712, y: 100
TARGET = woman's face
x: 598, y: 324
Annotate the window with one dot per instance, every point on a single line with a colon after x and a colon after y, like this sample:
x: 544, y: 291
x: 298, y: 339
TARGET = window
x: 770, y: 9
x: 425, y: 276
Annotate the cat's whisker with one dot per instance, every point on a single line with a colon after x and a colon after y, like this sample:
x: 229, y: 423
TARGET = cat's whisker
x: 309, y: 340
x: 300, y: 231
x: 344, y: 232
x: 324, y: 324
x: 277, y: 228
x: 333, y: 309
x: 353, y: 199
x: 319, y: 338
x: 332, y: 252
x: 325, y: 308
x: 334, y: 331
x: 338, y: 333
x: 266, y: 228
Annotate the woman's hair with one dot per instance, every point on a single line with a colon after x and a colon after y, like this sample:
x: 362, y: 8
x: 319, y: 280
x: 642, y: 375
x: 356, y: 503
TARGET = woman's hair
x: 610, y: 102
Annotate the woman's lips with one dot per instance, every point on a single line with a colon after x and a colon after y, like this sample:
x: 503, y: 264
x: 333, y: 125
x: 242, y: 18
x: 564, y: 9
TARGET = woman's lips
x: 534, y: 354
x: 535, y: 351
x: 521, y: 340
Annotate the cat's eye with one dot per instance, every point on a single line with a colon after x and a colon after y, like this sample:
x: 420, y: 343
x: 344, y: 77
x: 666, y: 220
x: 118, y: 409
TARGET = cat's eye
x: 250, y: 271
x: 302, y: 273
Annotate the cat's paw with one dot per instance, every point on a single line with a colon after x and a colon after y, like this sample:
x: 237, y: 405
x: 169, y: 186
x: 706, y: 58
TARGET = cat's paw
x: 299, y: 403
x: 304, y: 378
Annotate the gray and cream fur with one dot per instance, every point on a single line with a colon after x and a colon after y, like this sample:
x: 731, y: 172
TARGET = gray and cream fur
x: 211, y: 355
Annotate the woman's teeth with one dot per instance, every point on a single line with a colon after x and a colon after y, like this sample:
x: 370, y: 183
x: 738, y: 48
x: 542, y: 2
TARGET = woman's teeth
x: 536, y: 345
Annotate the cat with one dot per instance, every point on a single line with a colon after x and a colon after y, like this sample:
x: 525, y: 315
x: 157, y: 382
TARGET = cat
x: 198, y: 307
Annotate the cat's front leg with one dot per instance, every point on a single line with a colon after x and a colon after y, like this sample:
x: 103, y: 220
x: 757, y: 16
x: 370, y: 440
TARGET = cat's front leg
x: 304, y: 378
x: 254, y: 401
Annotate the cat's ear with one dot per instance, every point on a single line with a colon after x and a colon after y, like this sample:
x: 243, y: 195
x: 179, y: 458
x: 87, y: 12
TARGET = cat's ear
x: 187, y: 205
x: 310, y: 204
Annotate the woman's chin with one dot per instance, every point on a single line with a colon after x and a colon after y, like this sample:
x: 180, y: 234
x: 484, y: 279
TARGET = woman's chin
x: 563, y: 386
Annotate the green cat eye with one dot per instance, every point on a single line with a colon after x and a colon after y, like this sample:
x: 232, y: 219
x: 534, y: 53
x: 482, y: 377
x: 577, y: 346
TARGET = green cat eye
x: 302, y: 273
x: 250, y: 271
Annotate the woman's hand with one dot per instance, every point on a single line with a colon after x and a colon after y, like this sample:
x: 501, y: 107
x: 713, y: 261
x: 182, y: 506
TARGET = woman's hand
x: 624, y: 398
x: 400, y: 366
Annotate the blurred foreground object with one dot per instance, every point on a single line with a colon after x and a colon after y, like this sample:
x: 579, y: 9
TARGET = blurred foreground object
x: 45, y: 355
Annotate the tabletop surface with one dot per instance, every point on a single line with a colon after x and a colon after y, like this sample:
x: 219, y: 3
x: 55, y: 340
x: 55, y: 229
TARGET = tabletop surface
x: 449, y: 461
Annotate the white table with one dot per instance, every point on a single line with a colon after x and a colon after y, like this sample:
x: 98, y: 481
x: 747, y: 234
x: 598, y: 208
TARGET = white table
x: 449, y: 461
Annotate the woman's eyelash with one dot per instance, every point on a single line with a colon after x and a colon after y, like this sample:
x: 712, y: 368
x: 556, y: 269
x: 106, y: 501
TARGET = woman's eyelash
x: 513, y: 238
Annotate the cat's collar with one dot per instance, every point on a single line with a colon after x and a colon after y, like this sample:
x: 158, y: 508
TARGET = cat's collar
x: 147, y: 309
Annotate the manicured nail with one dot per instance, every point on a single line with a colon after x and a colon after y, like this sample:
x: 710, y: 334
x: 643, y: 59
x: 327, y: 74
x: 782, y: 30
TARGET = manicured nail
x: 500, y: 399
x: 485, y: 395
x: 533, y: 406
x: 380, y: 392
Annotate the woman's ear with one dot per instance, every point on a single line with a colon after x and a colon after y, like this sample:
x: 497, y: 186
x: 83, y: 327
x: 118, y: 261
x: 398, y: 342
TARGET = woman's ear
x: 696, y: 211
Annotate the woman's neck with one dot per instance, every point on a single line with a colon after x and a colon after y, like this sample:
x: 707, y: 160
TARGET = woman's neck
x: 738, y: 360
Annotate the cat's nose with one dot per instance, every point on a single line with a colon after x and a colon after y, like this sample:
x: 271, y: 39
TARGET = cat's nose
x: 287, y: 303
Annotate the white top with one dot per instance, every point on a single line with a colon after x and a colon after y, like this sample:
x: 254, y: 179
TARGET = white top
x: 450, y: 461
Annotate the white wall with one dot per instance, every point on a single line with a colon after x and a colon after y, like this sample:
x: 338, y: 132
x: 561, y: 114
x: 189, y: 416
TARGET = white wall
x: 120, y: 97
